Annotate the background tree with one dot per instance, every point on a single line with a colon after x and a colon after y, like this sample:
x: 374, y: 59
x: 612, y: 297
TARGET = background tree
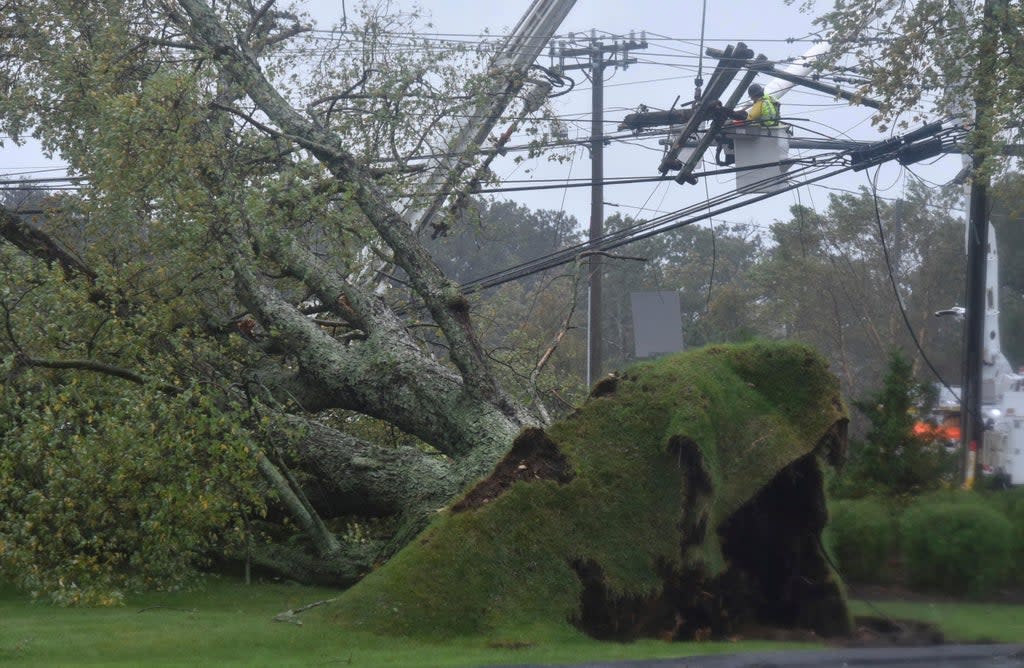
x: 893, y: 459
x: 534, y: 327
x: 825, y: 281
x: 1007, y: 214
x: 936, y: 57
x: 708, y: 268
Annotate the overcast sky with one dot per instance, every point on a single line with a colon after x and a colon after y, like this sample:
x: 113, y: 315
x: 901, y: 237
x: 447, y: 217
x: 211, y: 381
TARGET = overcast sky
x: 666, y: 69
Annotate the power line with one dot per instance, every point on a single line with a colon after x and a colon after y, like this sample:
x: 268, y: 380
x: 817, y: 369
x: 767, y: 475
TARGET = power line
x: 496, y: 39
x: 896, y: 293
x: 813, y: 171
x: 55, y: 179
x: 695, y: 213
x: 582, y: 183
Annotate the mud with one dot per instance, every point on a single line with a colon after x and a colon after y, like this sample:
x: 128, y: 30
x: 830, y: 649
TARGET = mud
x: 886, y: 632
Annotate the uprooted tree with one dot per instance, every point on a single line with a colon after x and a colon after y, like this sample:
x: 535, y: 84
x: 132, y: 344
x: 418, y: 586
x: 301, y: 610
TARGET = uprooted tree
x: 203, y: 326
x: 222, y: 264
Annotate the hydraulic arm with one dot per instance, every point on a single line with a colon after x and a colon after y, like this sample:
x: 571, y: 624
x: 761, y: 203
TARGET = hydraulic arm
x: 508, y: 72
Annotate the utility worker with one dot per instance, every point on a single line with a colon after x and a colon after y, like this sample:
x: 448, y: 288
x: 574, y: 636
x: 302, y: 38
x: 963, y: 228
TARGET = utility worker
x: 765, y: 110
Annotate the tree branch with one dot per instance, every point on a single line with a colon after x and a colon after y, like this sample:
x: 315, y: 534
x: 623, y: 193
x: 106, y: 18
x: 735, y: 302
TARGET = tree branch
x: 295, y: 500
x: 258, y: 16
x: 171, y: 44
x: 288, y: 33
x: 356, y: 477
x: 385, y: 376
x: 38, y: 244
x: 94, y: 366
x: 447, y: 305
x: 566, y: 326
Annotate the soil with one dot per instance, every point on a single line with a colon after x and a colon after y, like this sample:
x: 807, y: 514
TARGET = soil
x: 867, y: 632
x: 871, y: 592
x: 533, y: 457
x: 886, y: 632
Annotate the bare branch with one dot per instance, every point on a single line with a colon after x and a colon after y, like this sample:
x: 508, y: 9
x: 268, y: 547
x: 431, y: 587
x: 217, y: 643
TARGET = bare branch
x: 614, y: 256
x: 188, y: 46
x: 566, y: 326
x: 380, y: 172
x: 247, y: 118
x: 96, y: 367
x: 288, y: 33
x: 291, y: 616
x: 334, y: 99
x: 258, y: 16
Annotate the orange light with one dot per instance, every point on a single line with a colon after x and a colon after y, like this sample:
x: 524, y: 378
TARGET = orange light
x: 945, y: 432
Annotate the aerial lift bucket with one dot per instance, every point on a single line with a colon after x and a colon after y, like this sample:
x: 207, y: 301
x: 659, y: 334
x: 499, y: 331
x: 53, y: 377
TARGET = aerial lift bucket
x: 756, y: 145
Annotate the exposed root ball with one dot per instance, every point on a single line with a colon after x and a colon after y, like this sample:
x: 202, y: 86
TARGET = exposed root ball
x: 683, y: 500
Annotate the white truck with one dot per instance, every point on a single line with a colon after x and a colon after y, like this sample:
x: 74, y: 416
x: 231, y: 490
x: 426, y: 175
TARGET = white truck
x: 1002, y: 390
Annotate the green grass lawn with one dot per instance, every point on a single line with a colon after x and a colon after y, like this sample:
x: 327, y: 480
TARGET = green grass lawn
x: 227, y: 623
x: 960, y: 622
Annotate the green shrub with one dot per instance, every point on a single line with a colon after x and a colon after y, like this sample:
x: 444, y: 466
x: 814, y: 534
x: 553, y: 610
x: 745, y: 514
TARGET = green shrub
x: 1011, y: 504
x: 954, y: 495
x: 862, y: 535
x: 956, y: 547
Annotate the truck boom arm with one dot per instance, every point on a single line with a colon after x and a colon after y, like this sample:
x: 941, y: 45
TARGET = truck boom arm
x: 508, y: 70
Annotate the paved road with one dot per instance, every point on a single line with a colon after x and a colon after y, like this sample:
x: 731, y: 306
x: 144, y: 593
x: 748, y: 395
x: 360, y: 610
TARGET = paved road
x: 941, y: 656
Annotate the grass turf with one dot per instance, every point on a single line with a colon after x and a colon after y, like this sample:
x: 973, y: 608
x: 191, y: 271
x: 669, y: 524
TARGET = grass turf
x: 225, y: 623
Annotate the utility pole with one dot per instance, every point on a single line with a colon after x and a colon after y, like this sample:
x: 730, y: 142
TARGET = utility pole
x: 599, y: 56
x: 973, y: 423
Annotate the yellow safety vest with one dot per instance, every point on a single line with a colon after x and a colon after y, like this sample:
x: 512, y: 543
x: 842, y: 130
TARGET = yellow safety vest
x: 769, y: 111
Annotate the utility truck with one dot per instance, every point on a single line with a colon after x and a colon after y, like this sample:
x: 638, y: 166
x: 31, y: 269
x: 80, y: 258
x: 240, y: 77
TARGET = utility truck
x: 1002, y: 392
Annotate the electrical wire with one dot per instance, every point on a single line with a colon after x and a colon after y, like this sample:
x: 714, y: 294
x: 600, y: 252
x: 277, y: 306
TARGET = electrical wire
x: 700, y: 53
x: 807, y: 173
x: 714, y: 248
x: 647, y: 179
x: 819, y: 170
x: 896, y: 292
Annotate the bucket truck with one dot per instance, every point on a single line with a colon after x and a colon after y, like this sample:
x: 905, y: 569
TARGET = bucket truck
x: 1002, y: 390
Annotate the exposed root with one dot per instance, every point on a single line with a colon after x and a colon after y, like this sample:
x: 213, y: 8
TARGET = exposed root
x: 777, y: 577
x: 533, y: 457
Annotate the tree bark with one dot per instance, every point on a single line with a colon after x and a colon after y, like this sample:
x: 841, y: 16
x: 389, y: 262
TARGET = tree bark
x: 350, y: 476
x: 38, y: 244
x: 447, y: 306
